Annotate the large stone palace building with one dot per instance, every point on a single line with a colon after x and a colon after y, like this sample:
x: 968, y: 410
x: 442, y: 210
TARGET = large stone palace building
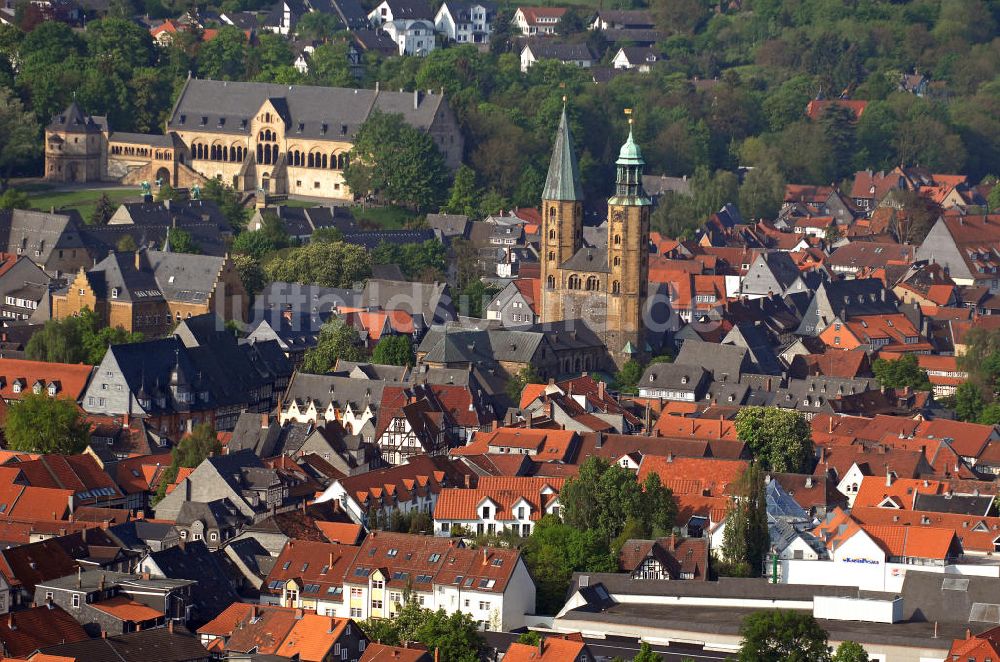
x: 606, y: 287
x: 281, y: 139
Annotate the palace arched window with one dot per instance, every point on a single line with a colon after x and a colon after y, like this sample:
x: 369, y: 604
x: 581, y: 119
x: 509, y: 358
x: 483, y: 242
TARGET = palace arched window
x: 617, y: 261
x: 618, y: 240
x: 574, y: 282
x: 551, y: 282
x: 616, y: 287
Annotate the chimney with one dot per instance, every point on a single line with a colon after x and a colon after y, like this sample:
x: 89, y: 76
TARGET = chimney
x: 599, y: 439
x: 170, y: 626
x: 486, y: 555
x: 79, y: 576
x: 888, y: 477
x: 670, y: 457
x: 10, y: 622
x: 600, y: 389
x: 416, y: 99
x: 436, y: 654
x: 333, y: 625
x: 264, y: 421
x: 299, y: 614
x: 104, y: 633
x: 541, y: 646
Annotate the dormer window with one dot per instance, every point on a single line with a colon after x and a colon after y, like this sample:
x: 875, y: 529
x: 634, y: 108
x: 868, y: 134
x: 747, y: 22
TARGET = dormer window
x: 114, y: 292
x: 323, y: 128
x: 243, y: 124
x: 204, y: 120
x: 301, y: 127
x: 182, y: 119
x: 52, y: 389
x: 222, y: 122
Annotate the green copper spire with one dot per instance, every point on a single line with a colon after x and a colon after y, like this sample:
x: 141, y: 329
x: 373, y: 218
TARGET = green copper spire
x: 563, y: 180
x: 630, y: 153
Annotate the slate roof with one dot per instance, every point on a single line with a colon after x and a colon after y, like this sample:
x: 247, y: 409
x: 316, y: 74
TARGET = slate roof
x: 193, y: 561
x: 590, y: 260
x: 564, y: 53
x: 725, y: 362
x: 72, y: 120
x: 563, y: 179
x: 340, y: 110
x: 25, y: 232
x: 160, y: 644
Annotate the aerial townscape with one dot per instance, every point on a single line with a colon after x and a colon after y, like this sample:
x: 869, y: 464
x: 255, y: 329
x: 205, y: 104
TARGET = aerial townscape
x: 387, y: 331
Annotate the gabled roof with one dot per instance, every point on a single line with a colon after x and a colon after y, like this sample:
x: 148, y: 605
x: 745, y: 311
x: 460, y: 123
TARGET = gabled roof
x: 551, y: 649
x: 816, y: 107
x: 24, y: 632
x: 690, y: 475
x: 504, y: 492
x: 318, y: 568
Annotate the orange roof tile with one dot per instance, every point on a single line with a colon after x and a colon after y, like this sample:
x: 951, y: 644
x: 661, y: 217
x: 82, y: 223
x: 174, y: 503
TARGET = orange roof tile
x: 68, y: 379
x: 907, y: 541
x: 708, y: 476
x: 312, y: 637
x: 553, y: 649
x: 125, y: 609
x: 345, y: 533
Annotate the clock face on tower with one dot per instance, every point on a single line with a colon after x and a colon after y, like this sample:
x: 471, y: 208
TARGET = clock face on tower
x: 617, y: 215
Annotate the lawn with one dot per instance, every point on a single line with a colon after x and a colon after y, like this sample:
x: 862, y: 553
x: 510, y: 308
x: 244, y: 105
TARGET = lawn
x: 82, y: 200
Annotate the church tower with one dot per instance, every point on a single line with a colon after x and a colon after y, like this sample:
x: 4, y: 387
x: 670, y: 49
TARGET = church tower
x: 562, y: 219
x: 628, y: 255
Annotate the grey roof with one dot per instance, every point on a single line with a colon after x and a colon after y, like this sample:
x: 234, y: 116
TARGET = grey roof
x: 341, y: 391
x: 676, y: 376
x: 755, y: 339
x: 116, y: 277
x: 371, y: 239
x: 780, y: 504
x: 656, y: 185
x: 351, y: 13
x: 136, y: 534
x: 640, y: 54
x: 303, y: 299
x: 410, y: 9
x: 223, y: 106
x: 842, y: 298
x: 590, y: 260
x: 158, y: 644
x: 37, y: 234
x: 375, y: 40
x: 563, y: 179
x: 185, y: 277
x: 148, y: 139
x: 963, y: 504
x: 725, y: 362
x: 389, y: 373
x: 72, y: 120
x: 194, y: 561
x: 450, y: 225
x: 543, y: 50
x: 431, y: 301
x: 450, y: 346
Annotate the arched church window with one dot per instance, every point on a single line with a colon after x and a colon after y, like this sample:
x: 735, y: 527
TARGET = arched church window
x: 616, y: 287
x: 618, y: 240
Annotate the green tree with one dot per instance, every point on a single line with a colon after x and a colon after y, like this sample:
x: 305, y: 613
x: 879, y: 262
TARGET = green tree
x: 397, y: 162
x: 120, y: 43
x: 14, y: 199
x: 745, y: 539
x: 530, y: 638
x: 269, y: 58
x: 850, y: 651
x: 126, y: 244
x: 969, y: 402
x: 627, y: 377
x: 571, y: 23
x: 329, y: 65
x: 181, y: 241
x: 902, y: 372
x: 167, y: 192
x: 329, y: 264
x: 518, y: 381
x: 229, y: 203
x: 646, y: 654
x: 103, y: 211
x: 225, y: 56
x: 454, y: 636
x: 336, y: 341
x: 475, y: 296
x: 317, y: 25
x: 251, y: 273
x: 18, y: 134
x: 464, y: 194
x: 194, y: 447
x: 603, y: 496
x: 79, y: 339
x: 783, y: 636
x: 839, y: 131
x: 38, y: 423
x: 394, y: 350
x: 762, y: 192
x: 554, y: 551
x: 780, y: 439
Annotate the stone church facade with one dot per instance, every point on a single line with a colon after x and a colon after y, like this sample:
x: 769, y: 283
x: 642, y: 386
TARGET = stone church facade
x: 280, y: 139
x: 606, y: 287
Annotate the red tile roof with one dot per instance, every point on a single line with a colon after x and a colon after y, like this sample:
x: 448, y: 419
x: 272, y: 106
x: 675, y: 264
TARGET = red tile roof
x: 976, y: 533
x: 504, y: 491
x: 312, y: 638
x: 551, y: 649
x: 314, y: 566
x: 70, y: 380
x: 79, y: 473
x: 982, y: 647
x: 24, y: 632
x: 345, y: 533
x: 376, y: 652
x: 909, y: 542
x: 968, y: 439
x: 694, y: 475
x: 124, y: 609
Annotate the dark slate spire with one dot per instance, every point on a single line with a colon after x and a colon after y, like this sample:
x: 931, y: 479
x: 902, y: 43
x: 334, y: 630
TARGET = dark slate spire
x: 563, y: 180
